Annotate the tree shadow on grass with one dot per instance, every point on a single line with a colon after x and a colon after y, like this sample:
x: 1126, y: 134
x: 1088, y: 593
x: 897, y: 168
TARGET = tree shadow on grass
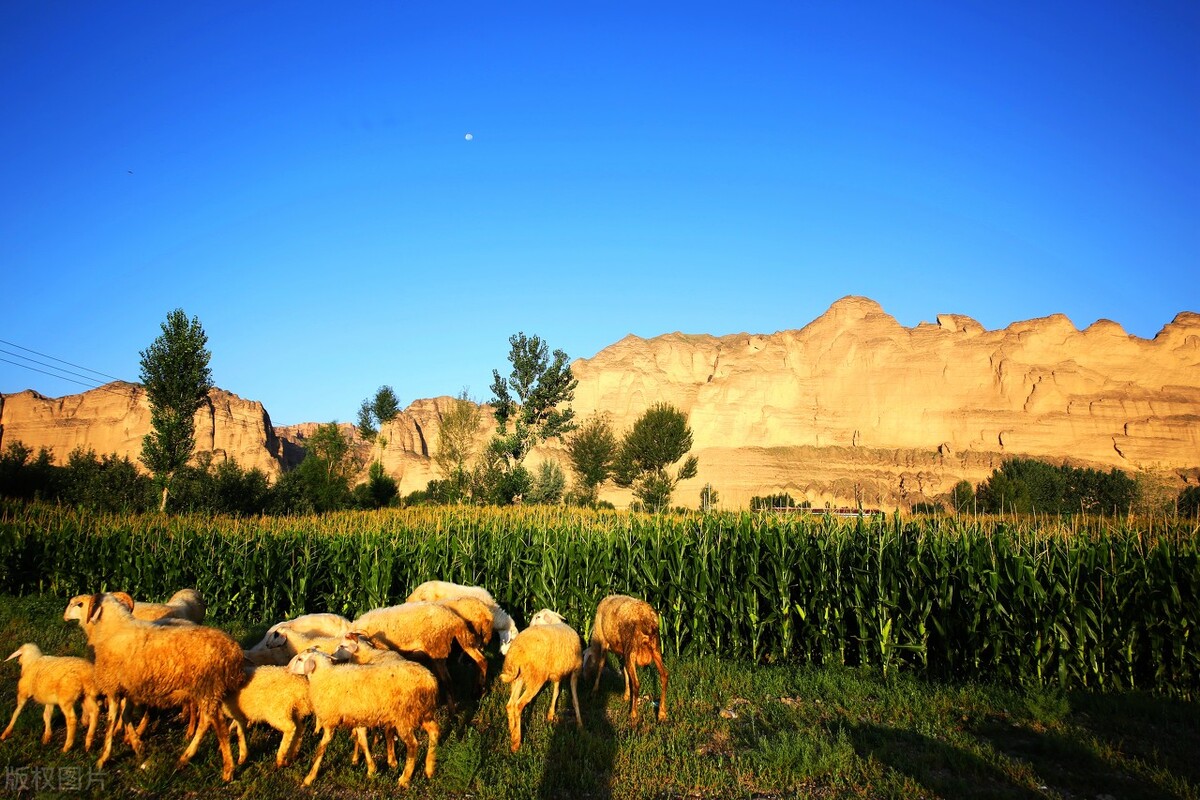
x: 1142, y: 746
x: 942, y: 769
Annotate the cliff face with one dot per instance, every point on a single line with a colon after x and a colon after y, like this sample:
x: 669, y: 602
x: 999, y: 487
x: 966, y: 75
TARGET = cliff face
x: 115, y: 417
x: 856, y: 399
x: 852, y: 406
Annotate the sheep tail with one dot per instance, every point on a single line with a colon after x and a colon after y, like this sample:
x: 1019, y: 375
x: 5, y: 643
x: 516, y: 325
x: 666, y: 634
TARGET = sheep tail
x: 510, y: 673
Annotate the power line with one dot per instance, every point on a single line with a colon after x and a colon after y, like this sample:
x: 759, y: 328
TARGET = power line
x: 59, y: 360
x: 95, y: 385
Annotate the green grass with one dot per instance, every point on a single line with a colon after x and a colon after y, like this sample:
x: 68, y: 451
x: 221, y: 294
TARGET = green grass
x: 736, y: 730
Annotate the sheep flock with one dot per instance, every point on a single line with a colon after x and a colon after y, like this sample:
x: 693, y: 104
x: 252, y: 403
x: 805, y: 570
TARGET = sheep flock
x: 384, y: 672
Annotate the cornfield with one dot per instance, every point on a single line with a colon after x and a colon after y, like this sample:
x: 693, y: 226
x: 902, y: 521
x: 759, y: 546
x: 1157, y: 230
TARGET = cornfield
x: 1095, y: 603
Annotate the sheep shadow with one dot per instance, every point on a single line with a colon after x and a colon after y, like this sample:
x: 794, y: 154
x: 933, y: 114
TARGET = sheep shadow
x: 579, y: 761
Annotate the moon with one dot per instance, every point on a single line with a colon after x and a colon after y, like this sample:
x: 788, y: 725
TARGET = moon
x: 469, y: 136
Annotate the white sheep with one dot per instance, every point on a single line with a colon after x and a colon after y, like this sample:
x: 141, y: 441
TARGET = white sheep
x: 56, y: 681
x: 275, y: 696
x: 424, y: 629
x: 549, y: 651
x: 186, y: 604
x: 160, y: 666
x: 396, y: 694
x: 629, y: 628
x: 502, y: 623
x: 309, y: 625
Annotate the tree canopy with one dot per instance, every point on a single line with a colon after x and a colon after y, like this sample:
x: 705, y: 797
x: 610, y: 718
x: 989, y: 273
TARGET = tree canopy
x: 658, y: 439
x: 177, y: 379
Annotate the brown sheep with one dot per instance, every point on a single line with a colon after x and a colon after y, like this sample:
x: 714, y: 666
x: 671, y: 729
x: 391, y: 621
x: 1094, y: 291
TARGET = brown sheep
x: 424, y: 629
x: 397, y: 694
x: 160, y: 666
x: 549, y: 651
x: 445, y: 590
x: 629, y: 628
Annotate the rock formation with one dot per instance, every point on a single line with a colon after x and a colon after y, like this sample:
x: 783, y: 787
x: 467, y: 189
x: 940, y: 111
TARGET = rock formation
x: 854, y: 406
x: 115, y: 417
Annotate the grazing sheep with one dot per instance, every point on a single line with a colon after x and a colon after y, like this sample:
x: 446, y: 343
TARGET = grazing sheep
x: 275, y: 696
x: 424, y: 629
x: 629, y: 628
x: 550, y: 651
x: 186, y: 604
x: 160, y: 666
x: 397, y: 694
x: 56, y: 681
x: 308, y: 625
x: 502, y: 623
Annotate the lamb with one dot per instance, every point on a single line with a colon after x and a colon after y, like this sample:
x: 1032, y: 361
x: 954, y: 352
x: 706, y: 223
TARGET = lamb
x: 629, y: 628
x: 397, y: 694
x: 186, y: 604
x: 426, y: 629
x: 502, y: 623
x: 549, y: 651
x: 274, y: 696
x: 56, y: 680
x: 162, y: 666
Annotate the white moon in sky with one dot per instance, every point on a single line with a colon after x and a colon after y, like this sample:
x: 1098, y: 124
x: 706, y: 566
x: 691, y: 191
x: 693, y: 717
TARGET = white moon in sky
x: 469, y: 137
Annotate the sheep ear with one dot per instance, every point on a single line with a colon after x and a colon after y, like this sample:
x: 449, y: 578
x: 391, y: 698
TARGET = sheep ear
x: 310, y: 665
x: 17, y: 654
x: 91, y: 607
x: 124, y: 599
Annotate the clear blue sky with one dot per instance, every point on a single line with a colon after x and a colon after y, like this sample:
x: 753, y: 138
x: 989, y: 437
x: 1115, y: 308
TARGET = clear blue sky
x: 298, y: 176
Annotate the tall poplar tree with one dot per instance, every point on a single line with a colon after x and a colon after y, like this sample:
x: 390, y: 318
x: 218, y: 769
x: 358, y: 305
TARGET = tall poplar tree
x: 177, y: 379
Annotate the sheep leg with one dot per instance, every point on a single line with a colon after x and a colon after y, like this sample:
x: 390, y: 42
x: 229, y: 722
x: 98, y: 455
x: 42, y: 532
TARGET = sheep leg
x: 326, y: 736
x: 292, y: 733
x: 553, y: 702
x: 238, y: 724
x: 634, y: 691
x: 443, y: 674
x: 600, y: 661
x: 625, y: 675
x: 115, y: 711
x: 656, y: 653
x: 389, y: 738
x: 433, y: 732
x: 22, y: 699
x: 211, y: 717
x: 91, y: 710
x: 361, y: 734
x: 410, y: 760
x: 516, y: 705
x: 481, y: 662
x: 68, y: 710
x: 575, y: 697
x: 47, y: 715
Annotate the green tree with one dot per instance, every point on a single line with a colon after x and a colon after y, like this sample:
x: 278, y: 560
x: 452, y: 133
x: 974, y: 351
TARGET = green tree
x: 379, y: 491
x: 530, y: 405
x: 592, y: 449
x: 962, y: 497
x: 177, y: 379
x: 549, y: 483
x: 658, y: 439
x: 457, y: 442
x: 374, y: 413
x: 1189, y: 501
x: 330, y: 462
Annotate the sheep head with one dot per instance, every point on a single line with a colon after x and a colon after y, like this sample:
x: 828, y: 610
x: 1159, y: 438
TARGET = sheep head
x: 547, y: 617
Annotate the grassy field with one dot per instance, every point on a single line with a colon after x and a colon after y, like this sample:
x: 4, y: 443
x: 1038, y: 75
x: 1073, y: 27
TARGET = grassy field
x: 736, y: 729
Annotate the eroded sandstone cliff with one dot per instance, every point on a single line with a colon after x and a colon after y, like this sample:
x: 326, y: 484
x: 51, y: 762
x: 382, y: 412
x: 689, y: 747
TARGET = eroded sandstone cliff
x: 853, y: 405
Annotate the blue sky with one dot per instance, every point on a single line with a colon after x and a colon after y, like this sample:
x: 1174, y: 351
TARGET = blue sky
x: 298, y: 176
